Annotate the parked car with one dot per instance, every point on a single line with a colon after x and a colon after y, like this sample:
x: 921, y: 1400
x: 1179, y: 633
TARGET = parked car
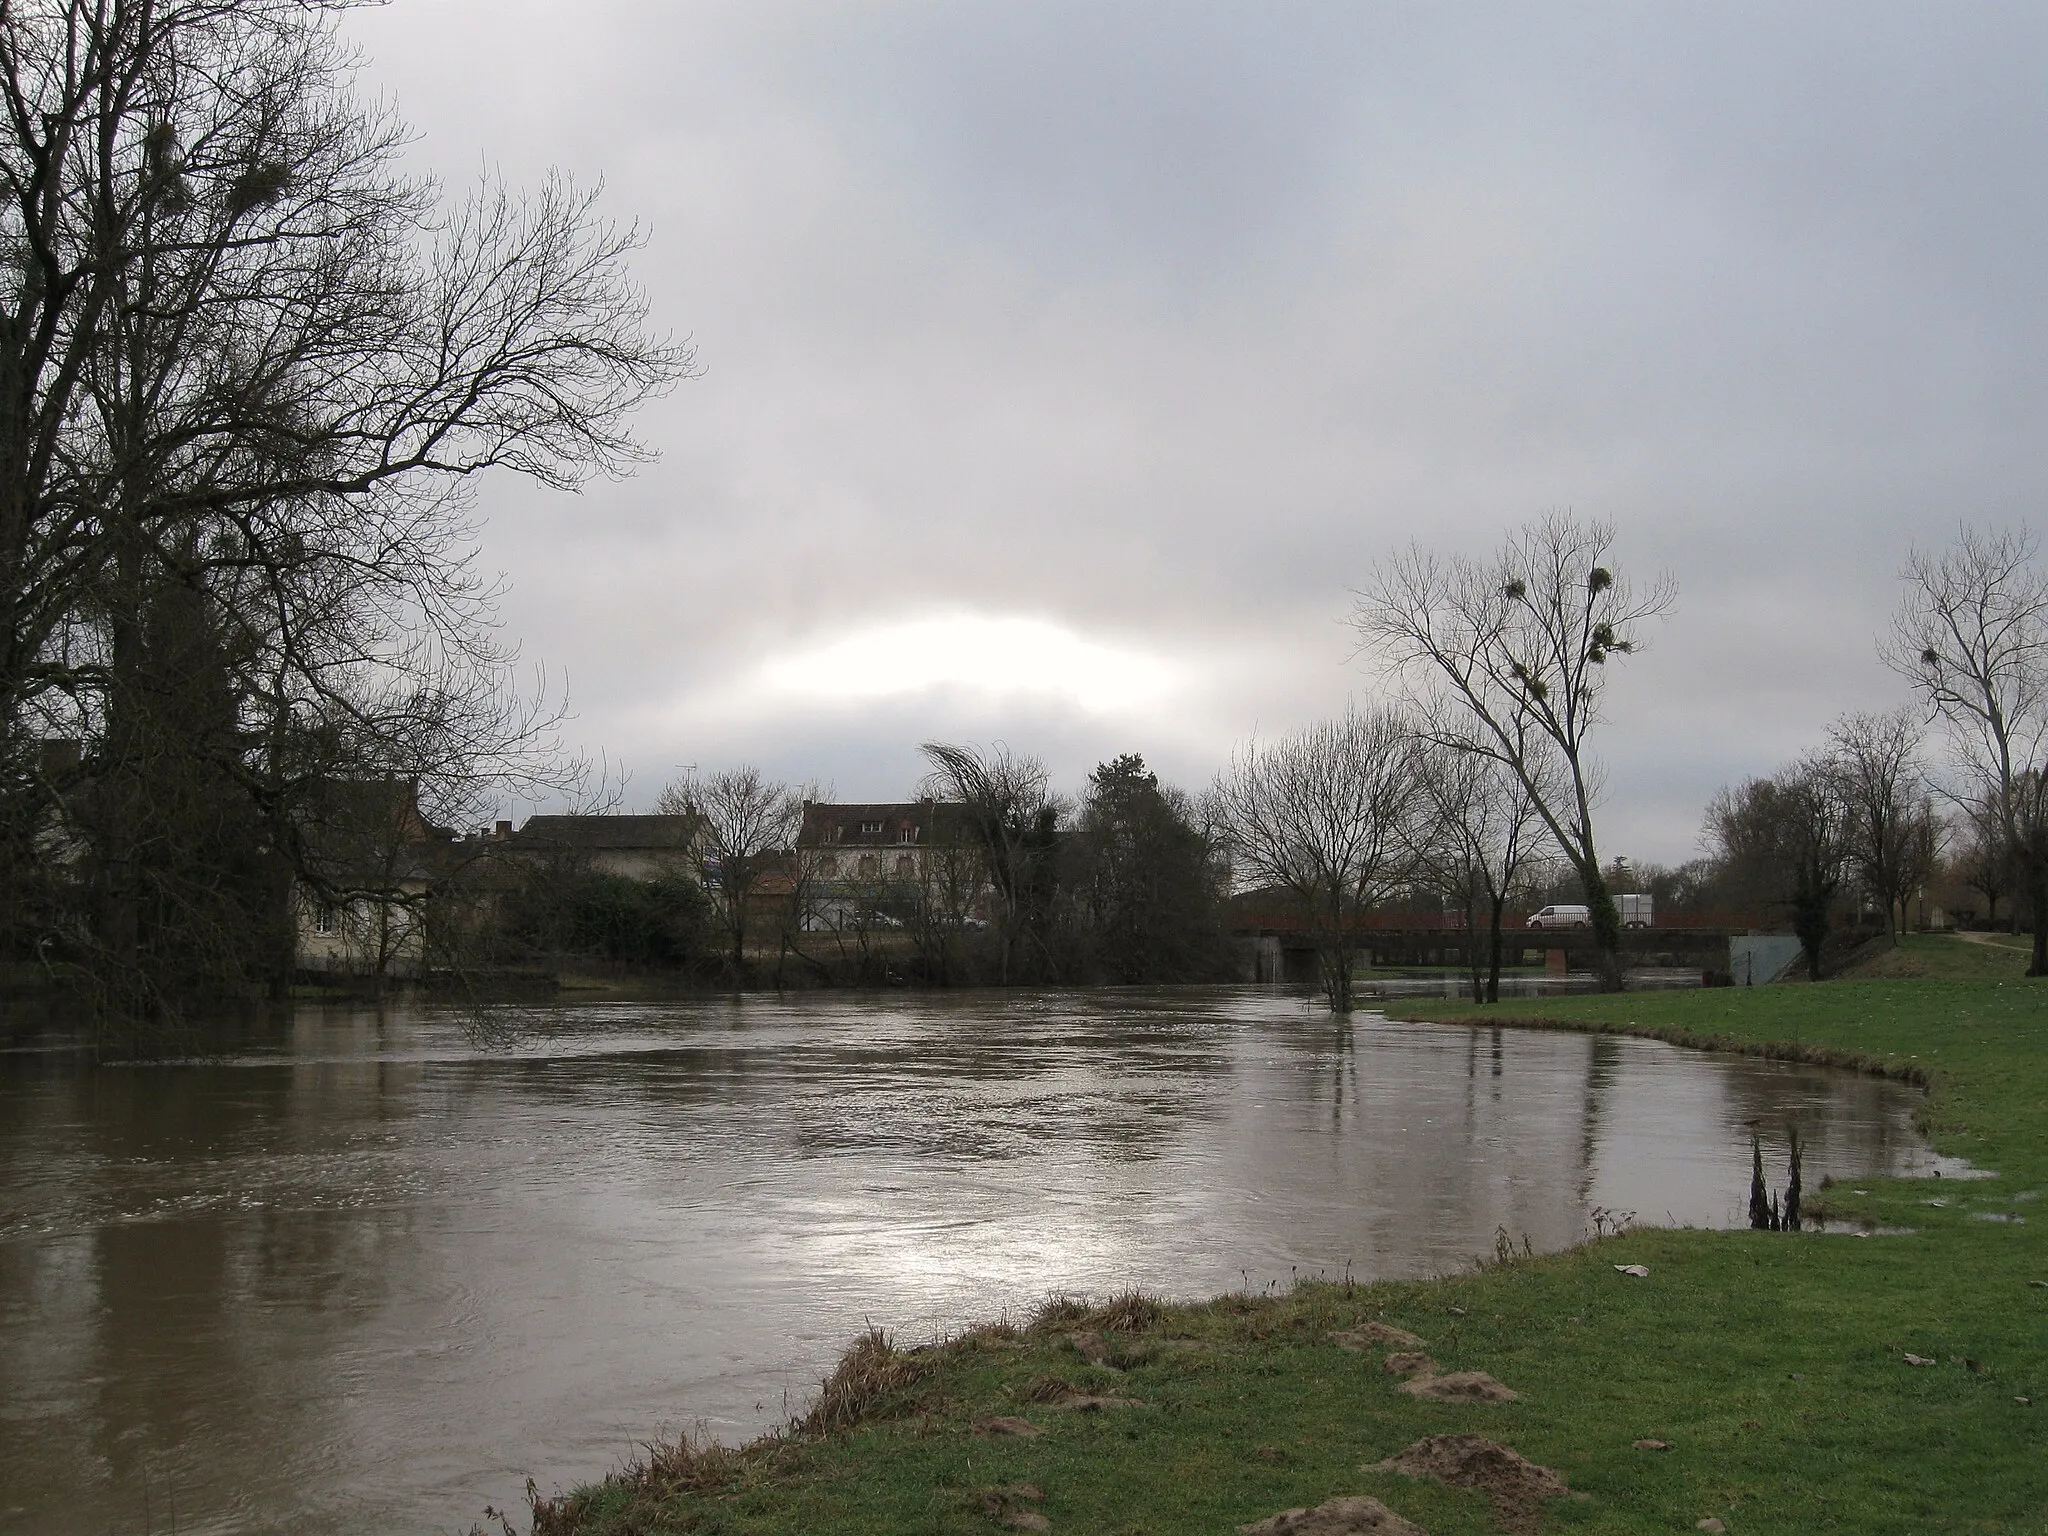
x: 1562, y: 917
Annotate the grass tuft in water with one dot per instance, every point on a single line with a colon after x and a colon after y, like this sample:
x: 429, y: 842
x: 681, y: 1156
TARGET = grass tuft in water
x: 872, y: 1381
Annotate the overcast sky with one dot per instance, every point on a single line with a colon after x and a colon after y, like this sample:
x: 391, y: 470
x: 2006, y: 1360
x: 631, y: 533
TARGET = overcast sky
x: 1067, y: 365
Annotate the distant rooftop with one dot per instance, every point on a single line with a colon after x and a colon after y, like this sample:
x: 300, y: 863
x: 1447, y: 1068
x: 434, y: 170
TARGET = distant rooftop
x: 664, y: 833
x: 883, y: 824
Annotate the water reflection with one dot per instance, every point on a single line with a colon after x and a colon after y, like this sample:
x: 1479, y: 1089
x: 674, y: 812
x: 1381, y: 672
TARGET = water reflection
x: 369, y: 1278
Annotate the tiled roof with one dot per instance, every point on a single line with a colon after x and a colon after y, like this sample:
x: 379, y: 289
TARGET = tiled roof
x: 649, y: 833
x: 845, y: 826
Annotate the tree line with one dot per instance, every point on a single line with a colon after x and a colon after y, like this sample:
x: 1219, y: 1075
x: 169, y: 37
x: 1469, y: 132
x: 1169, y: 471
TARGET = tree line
x: 1469, y: 785
x: 1947, y: 786
x: 1014, y: 884
x: 1472, y: 778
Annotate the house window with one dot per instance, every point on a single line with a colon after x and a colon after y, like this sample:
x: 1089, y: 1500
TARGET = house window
x: 326, y: 919
x: 828, y: 866
x: 906, y: 834
x: 870, y: 866
x: 906, y: 866
x: 870, y: 829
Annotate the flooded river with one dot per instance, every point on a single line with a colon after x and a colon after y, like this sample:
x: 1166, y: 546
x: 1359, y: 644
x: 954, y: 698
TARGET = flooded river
x: 371, y: 1277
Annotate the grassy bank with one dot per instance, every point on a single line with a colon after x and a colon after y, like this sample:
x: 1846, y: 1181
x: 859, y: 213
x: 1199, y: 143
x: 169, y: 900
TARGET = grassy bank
x: 1773, y: 1366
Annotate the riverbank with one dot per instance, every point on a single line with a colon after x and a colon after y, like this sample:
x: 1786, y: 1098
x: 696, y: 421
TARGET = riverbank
x: 1773, y: 1366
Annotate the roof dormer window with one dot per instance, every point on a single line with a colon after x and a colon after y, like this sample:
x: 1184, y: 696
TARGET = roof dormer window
x: 870, y: 829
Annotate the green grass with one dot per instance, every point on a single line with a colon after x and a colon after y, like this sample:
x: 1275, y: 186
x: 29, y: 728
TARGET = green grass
x: 1942, y: 957
x: 1773, y: 1364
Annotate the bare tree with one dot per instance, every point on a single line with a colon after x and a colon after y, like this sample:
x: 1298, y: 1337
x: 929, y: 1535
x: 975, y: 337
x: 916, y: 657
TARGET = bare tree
x: 1015, y: 819
x: 248, y: 370
x: 746, y: 824
x: 1893, y: 834
x: 1983, y: 861
x: 1972, y: 638
x: 1507, y: 659
x: 952, y: 880
x: 1477, y: 835
x: 1321, y: 816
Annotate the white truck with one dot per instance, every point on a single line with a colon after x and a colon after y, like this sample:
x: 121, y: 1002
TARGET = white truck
x: 1636, y: 912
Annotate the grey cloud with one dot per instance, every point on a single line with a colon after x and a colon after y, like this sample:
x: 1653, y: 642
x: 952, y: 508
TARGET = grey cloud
x: 1165, y: 322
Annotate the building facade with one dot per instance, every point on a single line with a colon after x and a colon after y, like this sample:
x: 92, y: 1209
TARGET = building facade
x: 890, y: 864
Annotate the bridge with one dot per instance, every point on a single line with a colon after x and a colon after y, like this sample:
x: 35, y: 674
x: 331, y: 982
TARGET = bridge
x: 1284, y: 945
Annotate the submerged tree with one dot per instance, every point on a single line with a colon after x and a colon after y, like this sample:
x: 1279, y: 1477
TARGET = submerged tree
x: 1506, y: 658
x: 1144, y: 881
x: 1014, y: 819
x: 1320, y: 815
x: 1474, y: 842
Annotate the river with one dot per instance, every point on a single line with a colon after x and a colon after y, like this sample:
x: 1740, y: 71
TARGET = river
x: 374, y: 1274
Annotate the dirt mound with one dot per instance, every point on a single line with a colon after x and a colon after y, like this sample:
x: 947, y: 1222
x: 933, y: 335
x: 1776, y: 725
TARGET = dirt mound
x: 1083, y: 1402
x: 1046, y: 1389
x: 1377, y: 1335
x: 1091, y: 1346
x: 1408, y: 1363
x: 1354, y: 1516
x: 1006, y: 1424
x: 1515, y: 1486
x: 1009, y: 1507
x: 1058, y: 1392
x: 1460, y: 1387
x: 1116, y: 1352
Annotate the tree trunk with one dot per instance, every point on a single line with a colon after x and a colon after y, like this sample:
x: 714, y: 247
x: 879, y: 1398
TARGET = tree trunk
x: 1472, y: 961
x: 119, y: 894
x: 1606, y: 924
x: 1499, y: 905
x: 1337, y: 959
x: 737, y: 920
x: 2037, y: 893
x: 1334, y: 954
x: 1810, y: 923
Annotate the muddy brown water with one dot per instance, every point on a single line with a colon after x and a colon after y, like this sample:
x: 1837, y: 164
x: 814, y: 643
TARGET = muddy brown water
x: 371, y: 1277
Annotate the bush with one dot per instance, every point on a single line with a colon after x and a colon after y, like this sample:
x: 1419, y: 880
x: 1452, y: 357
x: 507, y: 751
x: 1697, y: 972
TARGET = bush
x: 663, y: 922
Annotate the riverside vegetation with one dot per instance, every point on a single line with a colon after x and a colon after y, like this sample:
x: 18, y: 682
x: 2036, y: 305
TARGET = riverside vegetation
x: 1764, y: 1381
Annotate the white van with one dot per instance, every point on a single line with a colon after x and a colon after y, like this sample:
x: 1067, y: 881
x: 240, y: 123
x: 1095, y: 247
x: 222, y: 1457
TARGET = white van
x: 1562, y: 917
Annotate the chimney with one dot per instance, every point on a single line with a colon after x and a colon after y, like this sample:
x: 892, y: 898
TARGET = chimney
x: 504, y: 830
